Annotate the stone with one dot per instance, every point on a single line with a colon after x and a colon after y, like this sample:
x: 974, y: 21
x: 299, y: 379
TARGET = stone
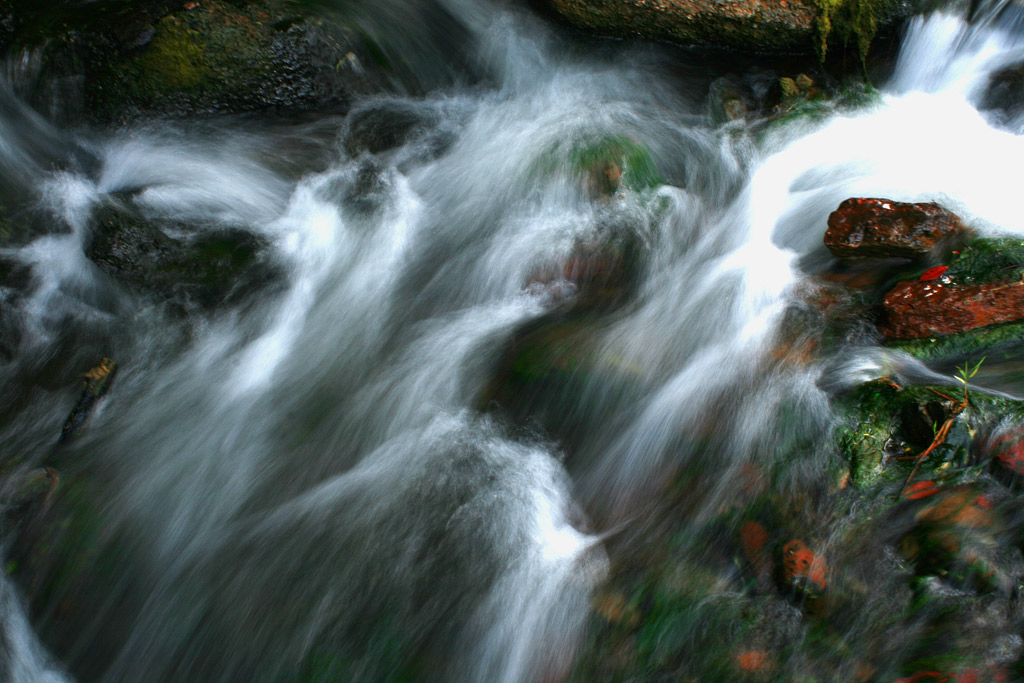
x: 882, y: 228
x: 802, y: 568
x: 217, y: 56
x: 1005, y: 93
x: 916, y: 310
x: 749, y: 25
x: 209, y: 267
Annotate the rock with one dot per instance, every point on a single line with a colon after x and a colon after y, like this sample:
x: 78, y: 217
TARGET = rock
x: 213, y: 56
x: 750, y: 25
x: 1004, y: 95
x: 802, y: 568
x: 210, y: 268
x: 597, y: 275
x: 989, y: 263
x: 882, y: 228
x: 915, y: 310
x: 383, y: 126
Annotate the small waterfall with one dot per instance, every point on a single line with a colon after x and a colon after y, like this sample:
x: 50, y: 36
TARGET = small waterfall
x: 320, y: 477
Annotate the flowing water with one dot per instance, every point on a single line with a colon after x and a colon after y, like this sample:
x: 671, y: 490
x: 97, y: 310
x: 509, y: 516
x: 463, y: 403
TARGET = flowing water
x: 320, y: 479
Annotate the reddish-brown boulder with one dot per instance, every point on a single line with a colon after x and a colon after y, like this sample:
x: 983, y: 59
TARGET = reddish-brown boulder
x: 882, y: 228
x: 916, y: 309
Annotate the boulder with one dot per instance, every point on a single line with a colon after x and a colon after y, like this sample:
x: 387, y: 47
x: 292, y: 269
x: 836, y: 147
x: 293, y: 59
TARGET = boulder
x: 882, y: 228
x: 208, y: 268
x: 749, y: 25
x: 1004, y: 94
x: 207, y: 57
x: 916, y: 309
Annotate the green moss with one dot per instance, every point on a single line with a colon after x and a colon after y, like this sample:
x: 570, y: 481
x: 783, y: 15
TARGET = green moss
x: 872, y: 427
x: 638, y: 169
x: 175, y: 59
x: 590, y: 157
x: 988, y: 260
x: 849, y: 19
x: 996, y: 342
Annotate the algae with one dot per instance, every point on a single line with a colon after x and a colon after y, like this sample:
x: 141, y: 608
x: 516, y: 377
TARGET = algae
x: 856, y: 19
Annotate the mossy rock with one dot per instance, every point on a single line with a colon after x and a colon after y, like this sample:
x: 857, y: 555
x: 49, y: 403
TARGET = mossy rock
x: 874, y: 425
x: 213, y: 56
x: 210, y: 267
x: 603, y: 164
x: 979, y: 262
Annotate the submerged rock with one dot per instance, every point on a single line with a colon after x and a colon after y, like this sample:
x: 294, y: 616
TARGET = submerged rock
x: 882, y: 228
x: 208, y: 268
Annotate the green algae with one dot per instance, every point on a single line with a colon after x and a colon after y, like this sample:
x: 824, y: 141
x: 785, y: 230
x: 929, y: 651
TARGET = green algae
x: 848, y: 19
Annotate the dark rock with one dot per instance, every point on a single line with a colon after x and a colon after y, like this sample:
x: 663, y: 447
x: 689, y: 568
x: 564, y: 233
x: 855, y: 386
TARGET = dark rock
x: 382, y: 127
x: 217, y: 56
x: 209, y: 268
x: 1005, y: 92
x: 882, y: 228
x: 597, y: 275
x: 915, y: 310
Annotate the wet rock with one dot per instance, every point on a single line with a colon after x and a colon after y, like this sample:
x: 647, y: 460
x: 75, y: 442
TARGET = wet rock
x: 1005, y: 92
x: 97, y: 383
x: 993, y: 264
x: 915, y: 310
x: 882, y: 228
x: 597, y: 275
x: 216, y: 56
x: 383, y: 126
x: 612, y: 163
x: 753, y: 25
x: 209, y: 268
x: 802, y: 569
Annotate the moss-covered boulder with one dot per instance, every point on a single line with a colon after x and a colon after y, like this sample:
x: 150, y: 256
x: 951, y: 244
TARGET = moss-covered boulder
x: 211, y: 56
x: 750, y: 25
x: 207, y: 267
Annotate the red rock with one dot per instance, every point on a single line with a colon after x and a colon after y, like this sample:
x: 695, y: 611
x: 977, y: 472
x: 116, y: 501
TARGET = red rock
x: 882, y: 228
x: 930, y: 309
x: 800, y: 563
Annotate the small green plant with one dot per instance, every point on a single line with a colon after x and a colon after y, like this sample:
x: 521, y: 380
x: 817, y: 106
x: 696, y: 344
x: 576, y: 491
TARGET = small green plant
x: 963, y: 375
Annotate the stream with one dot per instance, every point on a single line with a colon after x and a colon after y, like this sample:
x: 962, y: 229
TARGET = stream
x: 411, y: 447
